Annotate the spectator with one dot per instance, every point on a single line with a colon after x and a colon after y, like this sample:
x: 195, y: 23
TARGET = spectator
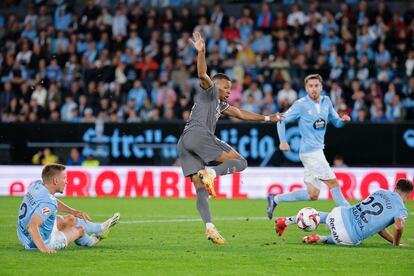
x: 286, y: 96
x: 91, y: 161
x: 75, y: 158
x: 95, y: 58
x: 338, y: 162
x: 44, y: 157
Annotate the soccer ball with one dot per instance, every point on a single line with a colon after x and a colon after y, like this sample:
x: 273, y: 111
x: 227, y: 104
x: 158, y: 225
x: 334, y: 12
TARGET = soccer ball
x: 308, y: 219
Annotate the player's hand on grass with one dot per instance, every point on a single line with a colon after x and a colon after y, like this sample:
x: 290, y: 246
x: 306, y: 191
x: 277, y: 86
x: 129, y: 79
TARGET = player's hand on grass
x: 276, y: 117
x: 198, y: 42
x: 48, y: 251
x: 284, y: 146
x: 82, y: 215
x: 345, y: 118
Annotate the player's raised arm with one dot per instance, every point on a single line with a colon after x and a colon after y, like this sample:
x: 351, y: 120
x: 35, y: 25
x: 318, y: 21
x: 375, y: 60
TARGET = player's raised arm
x: 198, y: 42
x: 251, y: 116
x: 33, y: 229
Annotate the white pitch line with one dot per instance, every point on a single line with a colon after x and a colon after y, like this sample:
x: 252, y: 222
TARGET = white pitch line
x: 191, y: 219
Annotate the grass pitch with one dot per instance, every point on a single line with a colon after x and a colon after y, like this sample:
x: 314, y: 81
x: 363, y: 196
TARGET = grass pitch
x: 165, y: 236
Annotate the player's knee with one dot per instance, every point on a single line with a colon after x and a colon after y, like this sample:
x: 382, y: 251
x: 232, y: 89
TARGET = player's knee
x: 81, y: 230
x: 332, y: 183
x: 314, y: 195
x: 243, y: 164
x: 70, y: 220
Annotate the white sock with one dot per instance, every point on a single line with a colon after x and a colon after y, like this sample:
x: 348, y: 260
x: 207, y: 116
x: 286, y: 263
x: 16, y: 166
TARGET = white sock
x: 209, y: 225
x: 213, y: 172
x: 290, y: 220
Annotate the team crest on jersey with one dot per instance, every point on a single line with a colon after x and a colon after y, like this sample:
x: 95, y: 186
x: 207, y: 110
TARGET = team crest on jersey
x: 45, y: 211
x: 319, y: 124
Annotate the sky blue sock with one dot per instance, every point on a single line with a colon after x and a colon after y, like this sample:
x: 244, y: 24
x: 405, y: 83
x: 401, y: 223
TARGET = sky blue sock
x: 90, y: 227
x: 323, y: 216
x: 298, y: 195
x: 291, y: 220
x: 338, y: 197
x: 85, y: 240
x: 327, y: 239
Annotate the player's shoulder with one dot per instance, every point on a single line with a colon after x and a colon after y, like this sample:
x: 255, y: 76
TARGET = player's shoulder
x: 382, y: 192
x: 326, y: 98
x: 41, y: 194
x: 301, y: 100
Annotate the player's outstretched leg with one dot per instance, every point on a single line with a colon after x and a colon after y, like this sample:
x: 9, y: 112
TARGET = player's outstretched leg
x: 274, y: 200
x: 318, y: 239
x: 107, y: 225
x: 281, y: 224
x: 336, y: 192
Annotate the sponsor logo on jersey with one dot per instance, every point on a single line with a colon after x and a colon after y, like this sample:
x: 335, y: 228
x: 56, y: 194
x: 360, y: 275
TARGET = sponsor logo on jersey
x: 333, y: 230
x: 319, y: 124
x: 45, y: 210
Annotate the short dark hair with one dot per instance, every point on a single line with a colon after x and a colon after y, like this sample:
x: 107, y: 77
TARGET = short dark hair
x: 50, y: 170
x: 313, y: 77
x: 404, y: 185
x: 221, y: 76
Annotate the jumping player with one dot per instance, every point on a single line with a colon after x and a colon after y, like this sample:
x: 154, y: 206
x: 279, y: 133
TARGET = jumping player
x: 198, y: 146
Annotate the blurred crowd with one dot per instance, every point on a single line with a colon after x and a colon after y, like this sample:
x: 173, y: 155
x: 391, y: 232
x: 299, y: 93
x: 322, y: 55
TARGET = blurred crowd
x: 128, y: 63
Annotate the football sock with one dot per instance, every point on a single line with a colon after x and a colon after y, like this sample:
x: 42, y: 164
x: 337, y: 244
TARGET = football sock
x: 326, y: 239
x: 90, y: 227
x: 338, y: 197
x: 298, y: 195
x: 290, y: 220
x: 209, y: 225
x: 85, y: 240
x: 323, y: 216
x: 231, y: 166
x: 203, y: 206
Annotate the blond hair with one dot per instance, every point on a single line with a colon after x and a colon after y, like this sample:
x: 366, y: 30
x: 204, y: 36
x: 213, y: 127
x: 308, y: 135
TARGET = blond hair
x: 50, y: 170
x: 313, y: 77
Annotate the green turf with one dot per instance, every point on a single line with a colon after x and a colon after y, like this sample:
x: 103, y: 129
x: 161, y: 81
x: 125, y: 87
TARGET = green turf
x: 180, y: 247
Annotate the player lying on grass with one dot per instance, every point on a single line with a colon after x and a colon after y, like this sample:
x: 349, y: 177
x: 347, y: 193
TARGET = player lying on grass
x: 39, y: 226
x: 198, y: 146
x: 349, y: 225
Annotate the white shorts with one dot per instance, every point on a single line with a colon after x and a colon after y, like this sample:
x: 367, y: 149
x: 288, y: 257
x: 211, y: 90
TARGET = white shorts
x: 316, y: 168
x: 57, y: 239
x: 336, y: 225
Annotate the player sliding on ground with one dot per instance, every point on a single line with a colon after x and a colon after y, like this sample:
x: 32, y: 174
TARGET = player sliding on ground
x: 349, y: 225
x: 40, y: 227
x: 313, y: 112
x: 198, y: 145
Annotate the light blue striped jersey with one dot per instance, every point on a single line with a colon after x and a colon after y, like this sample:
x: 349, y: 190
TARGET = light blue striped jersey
x: 38, y: 201
x: 313, y: 118
x: 375, y: 213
